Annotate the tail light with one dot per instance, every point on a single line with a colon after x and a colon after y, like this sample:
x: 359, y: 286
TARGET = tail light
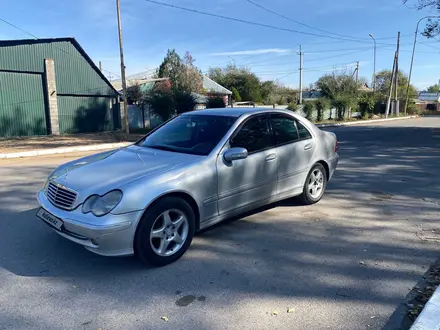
x: 336, y: 146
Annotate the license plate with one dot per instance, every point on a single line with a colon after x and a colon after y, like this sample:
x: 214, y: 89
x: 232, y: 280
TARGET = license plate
x: 49, y: 218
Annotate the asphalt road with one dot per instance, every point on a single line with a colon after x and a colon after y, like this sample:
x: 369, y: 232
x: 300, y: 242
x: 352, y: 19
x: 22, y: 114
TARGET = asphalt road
x: 345, y: 263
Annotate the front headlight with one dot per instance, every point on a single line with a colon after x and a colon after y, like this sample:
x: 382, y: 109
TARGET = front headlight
x: 101, y: 205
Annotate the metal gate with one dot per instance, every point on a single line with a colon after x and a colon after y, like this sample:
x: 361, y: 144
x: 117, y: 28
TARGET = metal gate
x: 22, y: 104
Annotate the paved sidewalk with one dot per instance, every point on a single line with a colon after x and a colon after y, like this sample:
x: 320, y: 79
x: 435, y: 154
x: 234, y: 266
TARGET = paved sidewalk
x: 49, y: 145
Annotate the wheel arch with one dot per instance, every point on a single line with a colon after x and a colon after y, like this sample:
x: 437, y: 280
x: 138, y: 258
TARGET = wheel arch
x: 326, y: 167
x: 178, y: 194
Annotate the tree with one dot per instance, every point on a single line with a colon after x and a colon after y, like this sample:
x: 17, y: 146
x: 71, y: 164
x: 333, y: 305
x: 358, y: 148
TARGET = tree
x: 432, y: 28
x: 366, y: 105
x: 183, y: 101
x: 134, y: 94
x: 162, y: 104
x: 183, y: 75
x: 247, y: 83
x: 267, y: 88
x: 433, y: 89
x: 383, y: 83
x: 321, y: 105
x: 235, y: 94
x: 308, y: 108
x: 172, y: 68
x: 342, y: 89
x: 193, y: 80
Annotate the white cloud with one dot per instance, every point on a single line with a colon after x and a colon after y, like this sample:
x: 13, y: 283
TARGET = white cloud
x: 254, y: 52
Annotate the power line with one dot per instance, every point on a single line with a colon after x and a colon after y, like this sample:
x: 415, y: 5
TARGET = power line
x: 18, y: 28
x: 249, y: 22
x: 300, y: 23
x: 428, y: 45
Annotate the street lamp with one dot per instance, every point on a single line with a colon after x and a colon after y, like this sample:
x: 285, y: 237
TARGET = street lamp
x: 412, y: 58
x: 374, y: 74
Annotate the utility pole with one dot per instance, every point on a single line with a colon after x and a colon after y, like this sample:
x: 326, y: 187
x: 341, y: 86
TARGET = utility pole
x: 412, y: 59
x: 124, y: 83
x: 300, y: 75
x: 387, y: 111
x: 100, y: 66
x: 374, y: 70
x: 396, y: 78
x: 357, y: 72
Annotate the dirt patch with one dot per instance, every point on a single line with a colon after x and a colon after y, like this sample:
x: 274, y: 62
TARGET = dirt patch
x: 21, y: 144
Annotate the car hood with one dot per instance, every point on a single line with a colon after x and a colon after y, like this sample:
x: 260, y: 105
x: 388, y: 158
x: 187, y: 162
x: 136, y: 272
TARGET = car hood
x: 103, y: 172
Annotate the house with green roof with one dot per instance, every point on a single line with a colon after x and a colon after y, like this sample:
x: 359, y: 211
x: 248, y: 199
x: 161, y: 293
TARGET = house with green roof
x: 51, y: 86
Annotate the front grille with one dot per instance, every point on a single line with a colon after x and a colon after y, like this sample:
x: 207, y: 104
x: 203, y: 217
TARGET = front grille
x: 60, y: 196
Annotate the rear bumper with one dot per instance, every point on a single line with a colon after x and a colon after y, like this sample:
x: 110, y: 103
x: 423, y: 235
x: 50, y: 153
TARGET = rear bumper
x: 110, y: 235
x: 333, y: 164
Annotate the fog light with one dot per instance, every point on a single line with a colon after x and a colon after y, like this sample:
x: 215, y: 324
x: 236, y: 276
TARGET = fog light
x: 95, y: 241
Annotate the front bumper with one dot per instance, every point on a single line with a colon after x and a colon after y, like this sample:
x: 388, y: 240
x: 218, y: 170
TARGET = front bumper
x: 109, y: 235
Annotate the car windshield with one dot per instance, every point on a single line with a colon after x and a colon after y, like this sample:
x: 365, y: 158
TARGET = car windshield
x: 191, y: 134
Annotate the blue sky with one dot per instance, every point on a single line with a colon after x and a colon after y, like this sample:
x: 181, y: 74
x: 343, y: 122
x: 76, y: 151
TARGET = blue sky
x: 149, y: 30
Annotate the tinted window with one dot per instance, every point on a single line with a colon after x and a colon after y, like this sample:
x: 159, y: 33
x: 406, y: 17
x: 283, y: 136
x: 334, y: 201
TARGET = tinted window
x: 303, y: 132
x: 284, y: 129
x: 254, y: 135
x: 192, y: 134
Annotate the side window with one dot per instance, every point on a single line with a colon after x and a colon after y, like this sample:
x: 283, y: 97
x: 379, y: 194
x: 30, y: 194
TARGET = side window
x: 284, y: 129
x: 303, y: 132
x: 254, y: 135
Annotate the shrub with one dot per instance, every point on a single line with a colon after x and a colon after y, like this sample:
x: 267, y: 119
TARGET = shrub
x: 366, y: 105
x: 236, y: 95
x: 293, y: 106
x: 321, y: 105
x: 412, y: 109
x: 184, y: 101
x: 161, y: 103
x: 215, y: 102
x: 308, y: 109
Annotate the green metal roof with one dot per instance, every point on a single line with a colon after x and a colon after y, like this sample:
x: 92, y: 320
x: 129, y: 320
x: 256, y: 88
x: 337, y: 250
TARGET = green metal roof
x: 76, y: 73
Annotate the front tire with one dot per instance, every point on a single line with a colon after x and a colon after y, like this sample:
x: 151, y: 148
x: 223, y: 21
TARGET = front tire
x: 315, y: 185
x: 165, y: 231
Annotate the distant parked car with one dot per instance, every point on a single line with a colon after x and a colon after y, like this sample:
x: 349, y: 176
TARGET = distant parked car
x: 191, y: 172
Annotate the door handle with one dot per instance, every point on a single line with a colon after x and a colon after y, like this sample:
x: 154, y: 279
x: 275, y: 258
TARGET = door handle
x: 307, y: 147
x: 271, y: 157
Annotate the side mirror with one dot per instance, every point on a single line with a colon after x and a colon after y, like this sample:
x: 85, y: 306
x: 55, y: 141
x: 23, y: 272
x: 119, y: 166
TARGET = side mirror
x: 235, y: 154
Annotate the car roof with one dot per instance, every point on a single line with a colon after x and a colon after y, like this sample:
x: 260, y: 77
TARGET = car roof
x: 230, y: 112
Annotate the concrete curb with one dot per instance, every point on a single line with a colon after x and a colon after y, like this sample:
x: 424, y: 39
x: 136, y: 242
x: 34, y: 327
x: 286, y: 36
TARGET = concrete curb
x: 54, y: 151
x: 430, y: 316
x: 365, y: 121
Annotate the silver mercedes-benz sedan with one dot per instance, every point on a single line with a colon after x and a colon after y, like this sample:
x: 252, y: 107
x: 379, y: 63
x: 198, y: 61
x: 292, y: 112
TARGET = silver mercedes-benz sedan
x: 193, y: 171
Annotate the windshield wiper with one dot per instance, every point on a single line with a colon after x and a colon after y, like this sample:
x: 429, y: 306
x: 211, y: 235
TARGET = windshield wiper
x: 161, y: 147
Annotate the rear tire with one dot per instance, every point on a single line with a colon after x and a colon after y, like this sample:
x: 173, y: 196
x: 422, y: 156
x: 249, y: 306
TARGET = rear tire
x: 165, y: 231
x: 315, y: 185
